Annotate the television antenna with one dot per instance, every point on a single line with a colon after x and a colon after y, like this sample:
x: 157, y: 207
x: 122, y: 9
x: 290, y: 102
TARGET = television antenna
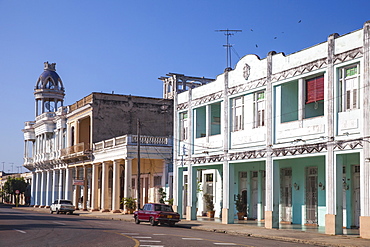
x: 228, y: 33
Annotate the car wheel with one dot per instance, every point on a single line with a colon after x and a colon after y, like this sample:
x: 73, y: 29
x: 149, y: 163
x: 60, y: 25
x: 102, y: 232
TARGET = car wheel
x: 152, y: 222
x: 51, y: 211
x: 171, y: 223
x: 57, y: 211
x: 137, y: 221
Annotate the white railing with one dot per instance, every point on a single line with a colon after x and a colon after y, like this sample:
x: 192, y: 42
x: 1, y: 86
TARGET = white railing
x: 132, y: 140
x: 45, y: 115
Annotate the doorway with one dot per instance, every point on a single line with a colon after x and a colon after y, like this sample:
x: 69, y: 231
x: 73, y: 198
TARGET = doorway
x: 286, y: 194
x: 311, y: 196
x: 356, y: 197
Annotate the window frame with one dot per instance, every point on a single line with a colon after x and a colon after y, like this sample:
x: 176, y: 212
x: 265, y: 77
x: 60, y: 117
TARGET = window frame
x: 349, y: 94
x: 237, y: 118
x: 184, y: 118
x: 259, y: 121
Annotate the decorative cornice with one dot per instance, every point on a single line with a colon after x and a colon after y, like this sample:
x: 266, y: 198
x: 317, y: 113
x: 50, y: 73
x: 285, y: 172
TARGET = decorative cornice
x: 349, y: 55
x: 182, y: 106
x: 206, y: 99
x: 348, y: 145
x: 308, y: 67
x: 248, y: 155
x: 301, y: 149
x: 247, y: 86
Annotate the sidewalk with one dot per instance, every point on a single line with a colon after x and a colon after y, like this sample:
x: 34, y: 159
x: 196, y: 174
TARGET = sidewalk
x: 253, y: 229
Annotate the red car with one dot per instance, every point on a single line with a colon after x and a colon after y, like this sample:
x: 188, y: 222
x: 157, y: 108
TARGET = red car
x: 155, y: 213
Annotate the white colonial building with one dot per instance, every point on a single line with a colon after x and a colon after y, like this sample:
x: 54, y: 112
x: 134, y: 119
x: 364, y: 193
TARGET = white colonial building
x: 88, y: 151
x: 289, y: 133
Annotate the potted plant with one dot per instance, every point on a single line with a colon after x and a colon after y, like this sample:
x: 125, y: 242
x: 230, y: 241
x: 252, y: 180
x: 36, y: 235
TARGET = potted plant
x: 240, y: 207
x: 208, y: 199
x: 130, y: 204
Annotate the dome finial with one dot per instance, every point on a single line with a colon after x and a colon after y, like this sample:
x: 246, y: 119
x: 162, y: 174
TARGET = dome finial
x: 49, y: 66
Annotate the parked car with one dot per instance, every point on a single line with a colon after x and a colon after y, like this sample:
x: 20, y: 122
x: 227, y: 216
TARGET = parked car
x: 155, y: 213
x: 62, y: 205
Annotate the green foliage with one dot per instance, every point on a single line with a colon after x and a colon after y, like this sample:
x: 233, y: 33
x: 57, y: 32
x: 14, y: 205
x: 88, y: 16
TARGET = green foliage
x: 240, y: 205
x: 129, y: 202
x: 170, y: 201
x: 162, y: 194
x: 208, y: 199
x: 13, y: 184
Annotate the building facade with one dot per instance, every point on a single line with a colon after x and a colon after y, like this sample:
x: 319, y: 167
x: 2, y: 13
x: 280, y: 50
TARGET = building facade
x: 87, y: 151
x: 288, y: 133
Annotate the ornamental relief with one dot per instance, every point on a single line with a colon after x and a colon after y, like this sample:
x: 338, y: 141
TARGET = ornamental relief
x: 247, y: 86
x: 182, y: 106
x: 345, y: 145
x: 318, y: 64
x: 348, y: 55
x: 206, y: 99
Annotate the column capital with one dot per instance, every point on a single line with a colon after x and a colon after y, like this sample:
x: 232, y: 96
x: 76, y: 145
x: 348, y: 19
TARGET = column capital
x: 108, y: 162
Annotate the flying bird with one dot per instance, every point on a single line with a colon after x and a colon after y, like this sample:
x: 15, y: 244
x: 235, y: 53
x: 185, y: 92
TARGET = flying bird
x: 251, y: 30
x: 275, y: 37
x: 300, y: 21
x: 256, y: 45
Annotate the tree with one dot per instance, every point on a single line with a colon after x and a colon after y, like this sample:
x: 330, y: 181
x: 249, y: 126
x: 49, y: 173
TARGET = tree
x: 13, y: 184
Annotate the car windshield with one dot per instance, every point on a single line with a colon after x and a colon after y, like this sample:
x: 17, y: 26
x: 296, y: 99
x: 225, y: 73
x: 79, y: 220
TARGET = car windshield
x: 165, y: 208
x: 66, y: 202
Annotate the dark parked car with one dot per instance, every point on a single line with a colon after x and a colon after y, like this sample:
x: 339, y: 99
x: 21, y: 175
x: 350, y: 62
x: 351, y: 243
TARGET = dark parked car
x: 155, y: 213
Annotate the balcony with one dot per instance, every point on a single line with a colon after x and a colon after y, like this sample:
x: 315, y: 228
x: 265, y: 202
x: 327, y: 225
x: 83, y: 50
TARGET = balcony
x: 132, y: 140
x: 79, y: 152
x: 46, y: 116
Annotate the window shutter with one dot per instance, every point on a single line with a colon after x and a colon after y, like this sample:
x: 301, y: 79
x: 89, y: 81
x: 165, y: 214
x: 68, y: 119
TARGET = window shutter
x: 315, y: 89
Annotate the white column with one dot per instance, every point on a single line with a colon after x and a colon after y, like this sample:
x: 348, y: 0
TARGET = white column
x: 105, y: 194
x: 365, y: 154
x: 68, y: 184
x: 128, y: 178
x: 94, y: 185
x: 191, y: 208
x: 227, y: 193
x: 84, y: 199
x: 33, y: 189
x: 77, y: 189
x: 37, y: 189
x: 116, y: 187
x: 43, y: 189
x: 54, y: 194
x: 49, y: 190
x: 60, y: 185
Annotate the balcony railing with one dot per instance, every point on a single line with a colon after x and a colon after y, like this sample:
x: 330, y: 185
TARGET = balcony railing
x: 46, y: 116
x: 79, y: 149
x: 132, y: 140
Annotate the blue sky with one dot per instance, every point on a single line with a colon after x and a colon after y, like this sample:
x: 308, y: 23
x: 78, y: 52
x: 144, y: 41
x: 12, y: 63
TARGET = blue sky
x: 124, y: 46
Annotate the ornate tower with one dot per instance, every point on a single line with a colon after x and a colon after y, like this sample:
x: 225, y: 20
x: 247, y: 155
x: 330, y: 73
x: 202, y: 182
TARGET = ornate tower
x: 49, y: 90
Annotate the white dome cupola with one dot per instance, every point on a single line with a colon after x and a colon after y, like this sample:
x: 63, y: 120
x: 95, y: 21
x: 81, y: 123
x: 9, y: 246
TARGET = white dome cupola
x: 49, y: 90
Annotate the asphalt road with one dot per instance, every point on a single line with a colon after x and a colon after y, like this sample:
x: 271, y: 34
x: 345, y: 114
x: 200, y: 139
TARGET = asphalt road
x: 28, y: 228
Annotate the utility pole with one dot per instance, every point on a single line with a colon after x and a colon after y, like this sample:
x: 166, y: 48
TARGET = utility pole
x: 3, y: 166
x: 228, y: 33
x: 12, y: 166
x: 138, y: 165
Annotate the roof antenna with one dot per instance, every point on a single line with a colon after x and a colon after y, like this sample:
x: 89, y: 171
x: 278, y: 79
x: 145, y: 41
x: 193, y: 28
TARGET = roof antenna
x: 228, y: 33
